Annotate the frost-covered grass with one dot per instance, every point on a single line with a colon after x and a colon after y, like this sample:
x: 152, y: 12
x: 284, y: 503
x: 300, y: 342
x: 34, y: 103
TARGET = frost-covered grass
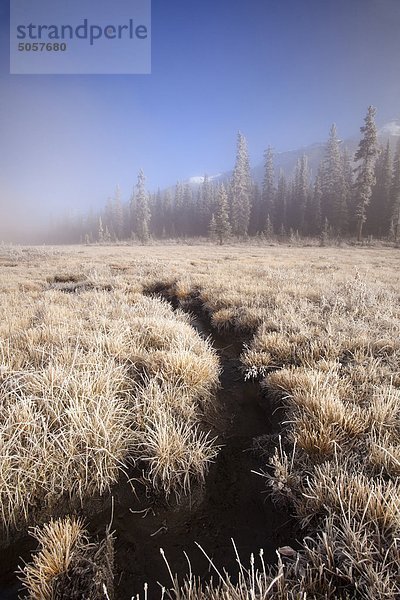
x: 324, y: 328
x: 67, y: 565
x: 323, y: 331
x: 92, y: 381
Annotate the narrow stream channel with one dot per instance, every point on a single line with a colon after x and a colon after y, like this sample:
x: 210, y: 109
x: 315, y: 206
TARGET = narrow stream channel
x: 232, y: 505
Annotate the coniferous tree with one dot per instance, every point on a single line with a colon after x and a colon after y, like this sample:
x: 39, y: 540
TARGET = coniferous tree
x: 324, y: 235
x: 395, y: 196
x: 198, y: 213
x: 108, y: 217
x: 300, y: 193
x: 205, y: 205
x: 333, y: 201
x: 256, y: 221
x: 212, y: 228
x: 268, y: 190
x: 268, y: 229
x: 365, y: 171
x: 143, y: 214
x: 126, y: 211
x: 385, y: 181
x: 379, y: 209
x: 186, y: 217
x: 222, y: 225
x: 313, y: 208
x: 169, y: 214
x: 107, y: 235
x: 179, y: 209
x: 157, y: 215
x: 100, y: 231
x: 240, y: 190
x: 280, y: 214
x: 348, y: 189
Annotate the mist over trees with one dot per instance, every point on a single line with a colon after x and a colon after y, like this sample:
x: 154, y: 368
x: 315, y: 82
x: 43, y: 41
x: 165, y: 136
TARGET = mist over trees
x: 347, y: 196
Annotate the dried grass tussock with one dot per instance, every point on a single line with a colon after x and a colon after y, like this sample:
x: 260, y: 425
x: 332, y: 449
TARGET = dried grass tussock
x: 92, y: 381
x: 67, y: 565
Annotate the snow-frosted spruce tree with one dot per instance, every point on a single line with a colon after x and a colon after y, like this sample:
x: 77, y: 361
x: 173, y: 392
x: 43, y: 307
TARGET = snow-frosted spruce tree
x: 280, y: 216
x: 205, y: 205
x: 313, y: 207
x: 256, y: 209
x: 395, y: 196
x: 187, y: 211
x: 347, y: 169
x: 179, y: 209
x: 212, y: 228
x: 100, y: 231
x: 334, y: 205
x: 143, y: 214
x: 268, y: 229
x: 365, y: 171
x: 222, y: 225
x: 300, y: 194
x: 268, y: 189
x: 379, y: 209
x: 241, y: 189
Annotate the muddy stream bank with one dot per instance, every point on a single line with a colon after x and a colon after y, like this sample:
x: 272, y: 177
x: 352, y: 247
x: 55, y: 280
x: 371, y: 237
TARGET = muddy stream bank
x: 233, y: 504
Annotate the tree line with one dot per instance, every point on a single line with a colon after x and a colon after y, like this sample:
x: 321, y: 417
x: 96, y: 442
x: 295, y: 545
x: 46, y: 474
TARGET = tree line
x: 348, y: 196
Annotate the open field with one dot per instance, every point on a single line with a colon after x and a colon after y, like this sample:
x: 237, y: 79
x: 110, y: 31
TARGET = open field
x: 110, y: 369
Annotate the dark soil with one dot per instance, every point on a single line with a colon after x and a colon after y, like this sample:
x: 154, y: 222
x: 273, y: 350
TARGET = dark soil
x: 233, y: 505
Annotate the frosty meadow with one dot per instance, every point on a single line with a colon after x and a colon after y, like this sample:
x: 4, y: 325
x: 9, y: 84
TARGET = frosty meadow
x: 111, y: 362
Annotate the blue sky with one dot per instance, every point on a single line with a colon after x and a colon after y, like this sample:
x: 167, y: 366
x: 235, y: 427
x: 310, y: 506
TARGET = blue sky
x: 281, y: 71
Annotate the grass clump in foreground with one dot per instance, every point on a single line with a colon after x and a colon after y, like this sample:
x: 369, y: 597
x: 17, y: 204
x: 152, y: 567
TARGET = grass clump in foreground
x: 67, y: 565
x: 90, y: 383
